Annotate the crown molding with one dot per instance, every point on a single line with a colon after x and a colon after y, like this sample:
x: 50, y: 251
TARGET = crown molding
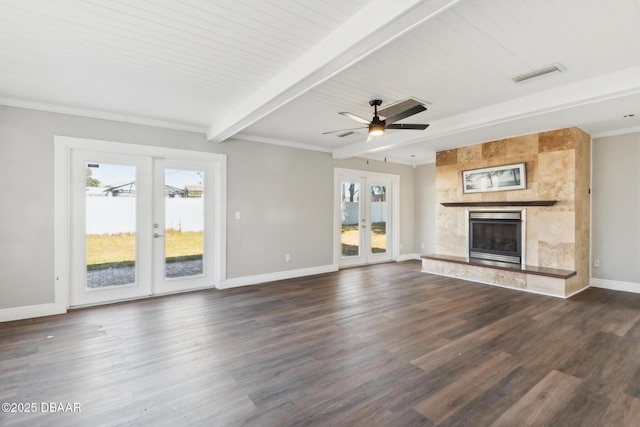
x: 97, y: 114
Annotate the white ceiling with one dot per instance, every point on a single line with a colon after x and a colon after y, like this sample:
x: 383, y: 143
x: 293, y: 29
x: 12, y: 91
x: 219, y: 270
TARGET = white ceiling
x: 279, y: 71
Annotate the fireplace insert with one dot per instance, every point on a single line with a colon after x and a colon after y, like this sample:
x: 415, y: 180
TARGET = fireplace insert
x: 495, y: 236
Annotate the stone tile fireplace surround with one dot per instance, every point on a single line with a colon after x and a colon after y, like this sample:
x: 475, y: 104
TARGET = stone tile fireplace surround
x: 557, y: 234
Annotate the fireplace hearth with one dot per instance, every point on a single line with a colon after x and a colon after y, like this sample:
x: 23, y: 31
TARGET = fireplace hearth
x: 496, y: 236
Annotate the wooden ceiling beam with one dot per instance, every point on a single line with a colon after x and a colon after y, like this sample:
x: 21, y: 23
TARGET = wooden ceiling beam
x: 376, y: 25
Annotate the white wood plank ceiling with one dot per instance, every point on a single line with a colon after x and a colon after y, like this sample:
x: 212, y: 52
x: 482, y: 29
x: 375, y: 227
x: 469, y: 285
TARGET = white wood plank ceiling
x: 279, y: 71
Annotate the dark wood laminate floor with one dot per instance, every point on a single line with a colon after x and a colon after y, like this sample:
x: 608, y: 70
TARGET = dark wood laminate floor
x: 382, y: 345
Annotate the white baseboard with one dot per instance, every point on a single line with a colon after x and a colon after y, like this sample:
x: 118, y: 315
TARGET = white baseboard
x: 280, y: 275
x: 27, y: 312
x: 408, y: 257
x: 41, y: 310
x: 615, y: 285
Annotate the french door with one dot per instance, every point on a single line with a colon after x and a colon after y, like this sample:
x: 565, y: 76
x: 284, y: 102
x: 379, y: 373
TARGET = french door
x: 365, y: 230
x: 140, y: 225
x: 182, y: 230
x: 111, y: 249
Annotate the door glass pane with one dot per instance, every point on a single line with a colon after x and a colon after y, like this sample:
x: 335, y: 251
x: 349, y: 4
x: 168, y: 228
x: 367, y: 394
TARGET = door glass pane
x: 350, y: 228
x: 378, y: 219
x: 184, y: 222
x: 110, y: 228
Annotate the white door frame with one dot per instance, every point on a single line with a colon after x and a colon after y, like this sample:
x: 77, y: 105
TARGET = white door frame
x: 394, y: 200
x: 63, y: 146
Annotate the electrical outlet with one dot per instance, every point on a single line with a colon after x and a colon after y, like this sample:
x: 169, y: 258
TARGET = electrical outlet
x: 421, y: 245
x: 287, y: 258
x: 596, y: 263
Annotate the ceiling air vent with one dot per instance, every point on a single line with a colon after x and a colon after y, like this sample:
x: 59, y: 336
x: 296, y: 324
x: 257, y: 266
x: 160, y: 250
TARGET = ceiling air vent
x: 556, y: 68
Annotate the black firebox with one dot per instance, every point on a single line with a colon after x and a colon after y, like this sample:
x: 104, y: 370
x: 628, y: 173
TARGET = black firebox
x: 496, y: 236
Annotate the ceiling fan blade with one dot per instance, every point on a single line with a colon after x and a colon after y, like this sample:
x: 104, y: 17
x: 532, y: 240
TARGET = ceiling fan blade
x: 342, y: 130
x: 354, y: 117
x: 346, y: 134
x: 406, y: 113
x: 398, y: 107
x: 406, y: 126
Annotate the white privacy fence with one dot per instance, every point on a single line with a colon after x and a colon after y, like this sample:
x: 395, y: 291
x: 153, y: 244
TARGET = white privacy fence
x: 111, y: 215
x: 350, y: 212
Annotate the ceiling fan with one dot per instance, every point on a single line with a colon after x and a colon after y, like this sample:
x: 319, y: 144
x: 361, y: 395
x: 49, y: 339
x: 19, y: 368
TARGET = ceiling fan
x: 392, y: 114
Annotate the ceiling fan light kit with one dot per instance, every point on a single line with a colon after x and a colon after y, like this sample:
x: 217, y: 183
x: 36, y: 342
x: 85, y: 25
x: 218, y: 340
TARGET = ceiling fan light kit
x: 376, y: 127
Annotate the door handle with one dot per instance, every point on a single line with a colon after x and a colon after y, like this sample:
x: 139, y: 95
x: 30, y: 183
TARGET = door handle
x: 156, y: 235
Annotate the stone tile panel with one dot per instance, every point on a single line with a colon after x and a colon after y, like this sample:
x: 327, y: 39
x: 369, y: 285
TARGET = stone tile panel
x: 547, y: 285
x: 562, y: 191
x: 556, y: 227
x: 556, y: 166
x: 494, y: 151
x: 495, y: 196
x: 451, y: 244
x: 444, y: 158
x: 556, y: 255
x: 511, y: 279
x: 448, y: 177
x: 470, y: 155
x: 557, y: 140
x: 521, y: 147
x: 531, y: 168
x: 432, y: 266
x: 531, y: 254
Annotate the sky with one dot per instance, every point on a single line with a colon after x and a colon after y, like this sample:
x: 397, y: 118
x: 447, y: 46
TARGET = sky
x: 111, y: 175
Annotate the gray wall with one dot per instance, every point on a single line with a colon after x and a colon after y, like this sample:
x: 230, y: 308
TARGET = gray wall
x: 285, y: 196
x: 425, y: 201
x: 615, y: 198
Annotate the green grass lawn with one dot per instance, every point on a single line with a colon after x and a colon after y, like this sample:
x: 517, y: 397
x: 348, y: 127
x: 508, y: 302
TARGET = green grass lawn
x: 349, y: 238
x: 104, y: 250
